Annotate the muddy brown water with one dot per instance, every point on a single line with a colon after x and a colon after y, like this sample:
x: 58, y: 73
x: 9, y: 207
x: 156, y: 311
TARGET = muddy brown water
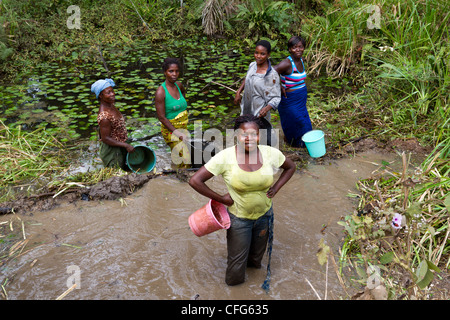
x: 142, y: 247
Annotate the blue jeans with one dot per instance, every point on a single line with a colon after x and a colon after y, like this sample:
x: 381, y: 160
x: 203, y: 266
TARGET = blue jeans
x: 246, y: 242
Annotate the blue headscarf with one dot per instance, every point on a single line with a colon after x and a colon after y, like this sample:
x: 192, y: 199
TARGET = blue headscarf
x: 100, y: 85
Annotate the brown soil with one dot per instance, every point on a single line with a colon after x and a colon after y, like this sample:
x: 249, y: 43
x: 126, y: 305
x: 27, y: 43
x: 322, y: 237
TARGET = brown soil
x: 408, y: 145
x: 111, y: 189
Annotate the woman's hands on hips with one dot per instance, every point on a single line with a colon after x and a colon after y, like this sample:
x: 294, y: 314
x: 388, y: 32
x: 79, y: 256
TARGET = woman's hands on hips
x: 271, y: 192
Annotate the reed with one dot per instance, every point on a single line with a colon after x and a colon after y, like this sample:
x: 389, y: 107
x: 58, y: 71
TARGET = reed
x: 417, y: 68
x: 335, y: 37
x: 37, y: 159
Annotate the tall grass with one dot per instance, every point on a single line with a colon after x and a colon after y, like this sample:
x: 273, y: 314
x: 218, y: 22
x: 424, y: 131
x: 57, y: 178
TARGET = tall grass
x: 421, y: 67
x: 403, y: 62
x: 25, y: 156
x: 402, y: 67
x: 335, y: 38
x: 418, y: 67
x: 38, y: 160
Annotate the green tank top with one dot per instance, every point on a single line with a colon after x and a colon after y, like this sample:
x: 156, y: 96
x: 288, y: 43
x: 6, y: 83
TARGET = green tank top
x: 174, y: 106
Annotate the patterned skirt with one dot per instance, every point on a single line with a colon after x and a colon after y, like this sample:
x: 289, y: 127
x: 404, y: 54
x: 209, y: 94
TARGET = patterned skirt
x: 180, y: 151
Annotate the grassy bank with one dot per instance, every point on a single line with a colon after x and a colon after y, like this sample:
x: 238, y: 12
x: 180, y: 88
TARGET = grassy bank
x: 35, y: 163
x: 399, y: 235
x: 403, y: 67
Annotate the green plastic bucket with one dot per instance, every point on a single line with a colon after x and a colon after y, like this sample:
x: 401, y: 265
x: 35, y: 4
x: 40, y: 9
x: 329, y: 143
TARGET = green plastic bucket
x: 315, y: 143
x: 141, y: 160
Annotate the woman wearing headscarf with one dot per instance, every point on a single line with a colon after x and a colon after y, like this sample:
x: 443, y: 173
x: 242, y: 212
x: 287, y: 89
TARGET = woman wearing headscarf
x: 261, y: 86
x: 171, y: 109
x: 112, y: 128
x: 294, y: 116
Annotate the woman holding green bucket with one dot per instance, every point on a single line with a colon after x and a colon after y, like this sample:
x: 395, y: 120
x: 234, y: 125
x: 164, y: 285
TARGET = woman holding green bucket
x: 112, y: 129
x: 247, y: 169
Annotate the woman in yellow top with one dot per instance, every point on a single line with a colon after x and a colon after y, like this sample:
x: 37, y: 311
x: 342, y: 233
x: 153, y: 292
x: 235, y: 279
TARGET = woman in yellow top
x: 247, y: 169
x: 171, y: 110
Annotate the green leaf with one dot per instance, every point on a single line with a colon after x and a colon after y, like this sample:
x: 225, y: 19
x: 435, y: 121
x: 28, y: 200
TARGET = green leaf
x: 322, y: 254
x: 387, y: 257
x: 347, y: 227
x: 424, y: 274
x: 447, y: 202
x: 433, y: 267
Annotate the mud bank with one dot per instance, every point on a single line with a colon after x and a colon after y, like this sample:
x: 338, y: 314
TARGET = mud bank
x: 119, y: 187
x: 113, y: 188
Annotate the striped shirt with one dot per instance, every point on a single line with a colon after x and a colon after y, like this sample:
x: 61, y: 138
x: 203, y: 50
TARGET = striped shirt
x: 296, y: 79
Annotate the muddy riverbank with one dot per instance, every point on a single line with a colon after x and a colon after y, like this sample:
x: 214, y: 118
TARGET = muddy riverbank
x: 118, y: 187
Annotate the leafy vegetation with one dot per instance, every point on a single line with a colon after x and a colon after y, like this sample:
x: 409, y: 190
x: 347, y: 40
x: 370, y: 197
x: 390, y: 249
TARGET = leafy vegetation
x: 266, y: 20
x: 415, y: 248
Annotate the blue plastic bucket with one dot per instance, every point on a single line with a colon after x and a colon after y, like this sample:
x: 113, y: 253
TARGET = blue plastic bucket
x: 315, y: 143
x: 141, y: 160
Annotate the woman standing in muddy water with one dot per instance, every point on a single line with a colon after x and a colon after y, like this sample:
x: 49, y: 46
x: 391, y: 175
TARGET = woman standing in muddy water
x: 171, y: 109
x: 247, y: 169
x: 112, y: 129
x: 261, y: 88
x: 294, y: 116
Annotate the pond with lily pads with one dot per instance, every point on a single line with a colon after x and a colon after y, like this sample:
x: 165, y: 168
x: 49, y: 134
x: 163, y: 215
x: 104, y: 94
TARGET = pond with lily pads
x: 57, y: 95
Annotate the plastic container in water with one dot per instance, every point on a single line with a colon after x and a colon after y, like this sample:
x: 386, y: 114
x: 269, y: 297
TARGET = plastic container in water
x: 315, y: 143
x: 141, y: 160
x: 211, y: 217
